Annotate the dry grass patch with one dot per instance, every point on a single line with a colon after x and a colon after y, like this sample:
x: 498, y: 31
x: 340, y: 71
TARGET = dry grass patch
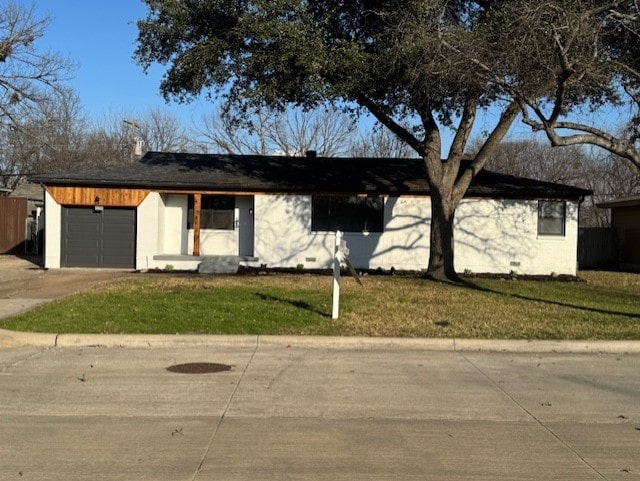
x: 494, y: 309
x: 625, y: 281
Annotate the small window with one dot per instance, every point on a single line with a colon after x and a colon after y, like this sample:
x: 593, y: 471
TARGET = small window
x: 551, y: 217
x: 217, y: 212
x: 348, y: 214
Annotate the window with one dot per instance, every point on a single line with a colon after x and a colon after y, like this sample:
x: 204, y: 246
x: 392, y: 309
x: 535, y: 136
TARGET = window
x: 348, y: 214
x: 551, y: 217
x: 216, y: 212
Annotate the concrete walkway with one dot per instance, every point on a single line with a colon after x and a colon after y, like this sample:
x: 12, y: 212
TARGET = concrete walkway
x: 293, y: 409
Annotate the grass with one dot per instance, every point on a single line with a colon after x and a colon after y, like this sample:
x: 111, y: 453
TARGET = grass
x: 604, y: 306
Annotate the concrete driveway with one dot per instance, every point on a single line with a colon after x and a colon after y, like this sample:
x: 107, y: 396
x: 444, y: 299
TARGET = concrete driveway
x: 286, y: 410
x: 24, y: 284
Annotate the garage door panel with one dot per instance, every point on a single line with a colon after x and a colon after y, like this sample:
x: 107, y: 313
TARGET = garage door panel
x: 79, y: 260
x: 124, y: 235
x: 83, y: 245
x: 93, y: 230
x: 98, y: 239
x: 117, y: 255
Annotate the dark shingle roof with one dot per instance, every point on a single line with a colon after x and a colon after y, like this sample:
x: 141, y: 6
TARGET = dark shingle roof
x: 630, y: 201
x: 255, y: 173
x: 29, y: 190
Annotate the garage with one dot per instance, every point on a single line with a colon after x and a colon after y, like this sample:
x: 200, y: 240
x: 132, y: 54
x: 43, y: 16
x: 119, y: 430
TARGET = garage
x: 98, y: 237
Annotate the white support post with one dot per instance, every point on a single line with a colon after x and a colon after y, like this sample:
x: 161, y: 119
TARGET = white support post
x: 337, y: 259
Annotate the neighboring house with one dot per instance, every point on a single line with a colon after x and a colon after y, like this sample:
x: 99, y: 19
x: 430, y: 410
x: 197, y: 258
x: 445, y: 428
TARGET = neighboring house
x: 173, y: 209
x: 31, y: 191
x: 625, y: 220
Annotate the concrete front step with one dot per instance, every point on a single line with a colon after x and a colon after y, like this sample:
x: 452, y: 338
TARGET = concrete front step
x: 222, y: 264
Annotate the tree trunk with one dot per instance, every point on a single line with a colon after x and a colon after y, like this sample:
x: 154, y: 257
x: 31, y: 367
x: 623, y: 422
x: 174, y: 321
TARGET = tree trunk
x: 447, y: 184
x: 441, y: 253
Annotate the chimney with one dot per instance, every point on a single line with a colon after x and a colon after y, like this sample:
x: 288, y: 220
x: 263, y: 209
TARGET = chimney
x: 139, y: 146
x: 311, y: 154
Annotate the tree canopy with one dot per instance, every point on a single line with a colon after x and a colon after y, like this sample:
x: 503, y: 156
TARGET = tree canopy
x: 418, y: 66
x: 596, y: 63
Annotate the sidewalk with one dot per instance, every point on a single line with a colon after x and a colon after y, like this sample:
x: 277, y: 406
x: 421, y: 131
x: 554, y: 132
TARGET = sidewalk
x: 34, y: 339
x: 290, y: 408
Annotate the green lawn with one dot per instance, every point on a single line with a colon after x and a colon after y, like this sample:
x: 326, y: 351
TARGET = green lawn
x: 603, y: 306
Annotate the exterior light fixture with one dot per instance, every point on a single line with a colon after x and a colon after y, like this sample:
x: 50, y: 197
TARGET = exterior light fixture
x: 97, y: 207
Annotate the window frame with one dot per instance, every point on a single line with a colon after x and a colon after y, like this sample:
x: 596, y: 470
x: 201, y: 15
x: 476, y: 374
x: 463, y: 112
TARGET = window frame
x: 546, y: 213
x: 210, y: 207
x: 331, y: 212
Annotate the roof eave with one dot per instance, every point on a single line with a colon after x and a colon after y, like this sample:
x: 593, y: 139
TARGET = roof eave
x: 631, y: 201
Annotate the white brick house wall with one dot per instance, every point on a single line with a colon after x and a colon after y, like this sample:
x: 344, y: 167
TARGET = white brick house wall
x: 491, y: 235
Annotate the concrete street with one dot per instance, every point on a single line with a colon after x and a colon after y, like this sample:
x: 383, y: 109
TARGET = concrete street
x: 292, y: 409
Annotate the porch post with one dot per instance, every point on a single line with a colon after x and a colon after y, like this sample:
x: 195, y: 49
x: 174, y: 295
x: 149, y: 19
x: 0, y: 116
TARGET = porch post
x: 197, y: 198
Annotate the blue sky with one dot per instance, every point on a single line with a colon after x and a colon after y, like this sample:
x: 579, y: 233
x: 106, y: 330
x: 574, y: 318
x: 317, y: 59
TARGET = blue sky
x: 100, y: 36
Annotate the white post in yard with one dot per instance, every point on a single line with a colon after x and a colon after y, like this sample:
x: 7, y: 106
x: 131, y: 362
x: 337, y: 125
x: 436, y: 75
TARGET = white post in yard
x: 337, y: 259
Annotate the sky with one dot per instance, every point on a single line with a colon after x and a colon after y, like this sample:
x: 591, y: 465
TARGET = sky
x: 100, y: 37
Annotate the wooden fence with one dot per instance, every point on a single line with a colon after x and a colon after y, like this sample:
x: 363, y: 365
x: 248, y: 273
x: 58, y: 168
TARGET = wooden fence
x: 597, y: 248
x: 13, y: 217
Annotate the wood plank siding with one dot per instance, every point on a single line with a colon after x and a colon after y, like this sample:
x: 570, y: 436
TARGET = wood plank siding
x: 85, y: 196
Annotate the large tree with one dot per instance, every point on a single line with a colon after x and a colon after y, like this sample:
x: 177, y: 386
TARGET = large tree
x: 380, y: 142
x: 28, y: 75
x: 160, y: 131
x: 266, y: 131
x: 46, y: 136
x: 588, y: 53
x: 615, y: 50
x: 418, y: 66
x: 31, y: 87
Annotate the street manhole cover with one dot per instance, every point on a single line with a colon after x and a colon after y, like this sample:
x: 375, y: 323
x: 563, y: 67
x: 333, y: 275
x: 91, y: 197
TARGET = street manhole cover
x: 199, y: 368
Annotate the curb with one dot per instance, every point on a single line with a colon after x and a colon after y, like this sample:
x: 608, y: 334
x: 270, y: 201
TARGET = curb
x: 28, y: 339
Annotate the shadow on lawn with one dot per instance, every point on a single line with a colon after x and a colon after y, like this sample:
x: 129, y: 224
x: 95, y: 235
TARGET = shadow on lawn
x: 298, y: 304
x: 471, y: 285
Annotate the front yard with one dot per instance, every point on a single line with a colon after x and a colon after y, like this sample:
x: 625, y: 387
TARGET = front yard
x: 604, y: 306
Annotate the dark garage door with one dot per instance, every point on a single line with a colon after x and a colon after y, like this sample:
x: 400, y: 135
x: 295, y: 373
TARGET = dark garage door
x: 92, y: 238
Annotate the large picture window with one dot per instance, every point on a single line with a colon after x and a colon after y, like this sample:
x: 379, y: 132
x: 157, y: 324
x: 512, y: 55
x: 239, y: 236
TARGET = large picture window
x: 348, y: 214
x: 551, y: 217
x: 217, y: 212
